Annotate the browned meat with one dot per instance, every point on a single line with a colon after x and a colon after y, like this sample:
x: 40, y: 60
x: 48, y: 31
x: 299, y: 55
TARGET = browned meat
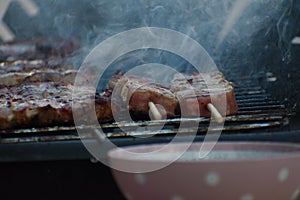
x: 53, y: 69
x: 136, y: 93
x: 192, y: 93
x: 37, y: 104
x: 195, y: 92
x: 47, y: 104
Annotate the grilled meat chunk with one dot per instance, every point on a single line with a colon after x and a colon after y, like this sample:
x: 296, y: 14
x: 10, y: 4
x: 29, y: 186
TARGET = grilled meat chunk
x: 195, y: 92
x: 47, y: 104
x: 191, y: 93
x: 136, y: 92
x: 53, y: 69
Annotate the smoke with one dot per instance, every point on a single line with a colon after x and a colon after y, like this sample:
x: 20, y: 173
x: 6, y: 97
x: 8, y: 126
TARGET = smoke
x: 239, y: 27
x: 233, y: 17
x: 284, y: 26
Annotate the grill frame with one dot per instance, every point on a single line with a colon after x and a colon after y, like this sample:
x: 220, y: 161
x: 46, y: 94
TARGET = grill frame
x: 267, y: 120
x: 75, y: 150
x: 259, y: 115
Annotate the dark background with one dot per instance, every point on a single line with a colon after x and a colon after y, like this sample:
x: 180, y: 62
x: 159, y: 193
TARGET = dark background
x: 73, y: 179
x: 258, y: 44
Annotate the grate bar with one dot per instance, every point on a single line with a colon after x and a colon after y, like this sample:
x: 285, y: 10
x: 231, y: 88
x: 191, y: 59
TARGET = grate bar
x: 257, y: 100
x: 186, y: 131
x: 268, y: 107
x: 253, y: 96
x: 176, y: 121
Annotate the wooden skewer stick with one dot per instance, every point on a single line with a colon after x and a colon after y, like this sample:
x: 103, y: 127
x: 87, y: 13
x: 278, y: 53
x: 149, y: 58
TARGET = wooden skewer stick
x: 30, y: 7
x: 154, y: 111
x: 5, y: 34
x: 215, y: 113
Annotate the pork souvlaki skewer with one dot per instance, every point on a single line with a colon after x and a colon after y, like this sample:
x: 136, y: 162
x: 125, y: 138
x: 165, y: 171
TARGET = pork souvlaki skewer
x: 193, y: 93
x: 206, y: 94
x: 139, y: 95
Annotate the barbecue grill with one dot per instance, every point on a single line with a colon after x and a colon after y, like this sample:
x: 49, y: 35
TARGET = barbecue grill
x: 260, y: 117
x: 257, y: 56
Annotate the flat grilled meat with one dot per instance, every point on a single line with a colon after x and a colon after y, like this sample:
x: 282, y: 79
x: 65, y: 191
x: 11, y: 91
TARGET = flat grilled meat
x: 54, y: 69
x: 136, y: 93
x: 195, y: 92
x: 47, y: 104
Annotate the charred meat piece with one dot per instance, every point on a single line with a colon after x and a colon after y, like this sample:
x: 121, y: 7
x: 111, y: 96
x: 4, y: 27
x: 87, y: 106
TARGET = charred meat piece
x: 53, y: 69
x: 48, y: 104
x: 136, y: 93
x: 192, y: 94
x: 196, y: 91
x: 37, y: 49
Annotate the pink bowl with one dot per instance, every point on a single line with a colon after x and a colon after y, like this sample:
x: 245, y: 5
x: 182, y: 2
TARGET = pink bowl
x: 233, y: 171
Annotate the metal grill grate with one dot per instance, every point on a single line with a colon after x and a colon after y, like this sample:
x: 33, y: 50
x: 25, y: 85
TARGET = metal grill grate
x: 257, y: 110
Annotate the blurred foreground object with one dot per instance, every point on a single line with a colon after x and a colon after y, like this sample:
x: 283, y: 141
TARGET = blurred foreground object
x: 29, y: 7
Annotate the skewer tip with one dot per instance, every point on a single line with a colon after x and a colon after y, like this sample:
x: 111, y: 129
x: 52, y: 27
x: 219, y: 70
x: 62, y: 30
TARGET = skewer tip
x: 154, y: 111
x: 215, y: 113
